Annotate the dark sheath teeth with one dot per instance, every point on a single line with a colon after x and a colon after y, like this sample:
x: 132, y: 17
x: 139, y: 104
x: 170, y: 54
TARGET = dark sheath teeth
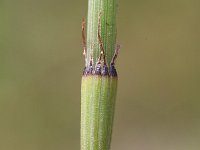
x: 113, y: 71
x: 98, y: 69
x: 105, y: 70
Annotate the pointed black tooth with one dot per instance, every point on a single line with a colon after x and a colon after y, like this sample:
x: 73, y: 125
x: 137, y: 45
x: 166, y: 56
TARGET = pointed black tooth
x: 113, y: 71
x: 105, y: 71
x: 88, y: 70
x: 98, y: 69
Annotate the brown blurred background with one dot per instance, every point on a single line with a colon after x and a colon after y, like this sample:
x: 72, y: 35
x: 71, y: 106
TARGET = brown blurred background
x: 158, y: 103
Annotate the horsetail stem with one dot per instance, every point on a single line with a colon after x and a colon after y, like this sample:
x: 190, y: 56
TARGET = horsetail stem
x: 99, y: 80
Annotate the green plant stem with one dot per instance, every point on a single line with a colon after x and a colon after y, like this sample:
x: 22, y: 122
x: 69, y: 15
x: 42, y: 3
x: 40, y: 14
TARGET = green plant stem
x: 97, y: 112
x: 99, y: 81
x: 107, y: 11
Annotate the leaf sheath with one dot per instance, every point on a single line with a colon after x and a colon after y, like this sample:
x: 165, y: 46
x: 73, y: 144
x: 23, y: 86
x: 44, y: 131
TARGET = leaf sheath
x: 97, y: 111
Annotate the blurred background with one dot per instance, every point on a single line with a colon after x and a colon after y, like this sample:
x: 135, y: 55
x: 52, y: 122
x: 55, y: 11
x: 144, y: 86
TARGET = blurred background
x: 41, y: 63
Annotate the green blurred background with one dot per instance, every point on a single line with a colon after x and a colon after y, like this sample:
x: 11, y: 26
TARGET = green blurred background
x: 41, y: 64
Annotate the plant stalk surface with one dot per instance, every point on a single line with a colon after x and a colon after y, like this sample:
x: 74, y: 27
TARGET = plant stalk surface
x: 99, y: 80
